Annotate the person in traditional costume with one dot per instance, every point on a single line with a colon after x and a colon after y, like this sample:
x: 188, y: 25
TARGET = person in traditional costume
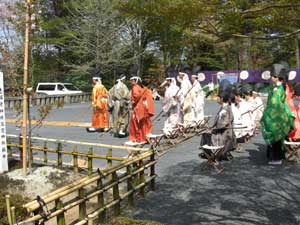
x: 277, y: 120
x: 198, y: 104
x: 138, y: 112
x: 188, y: 98
x: 246, y: 112
x: 171, y: 104
x: 100, y: 117
x: 257, y: 105
x: 119, y: 104
x: 293, y: 101
x: 237, y: 123
x: 222, y: 129
x: 148, y: 102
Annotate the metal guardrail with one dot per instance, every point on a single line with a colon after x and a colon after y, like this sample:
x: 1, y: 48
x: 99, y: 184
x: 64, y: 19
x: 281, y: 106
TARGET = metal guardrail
x: 12, y: 102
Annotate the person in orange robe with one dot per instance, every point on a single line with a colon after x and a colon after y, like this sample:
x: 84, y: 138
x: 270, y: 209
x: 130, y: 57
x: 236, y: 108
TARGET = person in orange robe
x: 149, y: 106
x: 100, y: 117
x: 295, y: 109
x: 138, y: 112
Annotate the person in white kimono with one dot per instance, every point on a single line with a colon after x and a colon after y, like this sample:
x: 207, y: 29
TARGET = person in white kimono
x: 198, y: 104
x: 258, y: 107
x: 171, y: 104
x: 119, y: 104
x: 187, y: 100
x: 237, y: 123
x: 246, y: 113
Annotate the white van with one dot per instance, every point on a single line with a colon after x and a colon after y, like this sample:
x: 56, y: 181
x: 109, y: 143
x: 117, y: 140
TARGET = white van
x: 57, y: 89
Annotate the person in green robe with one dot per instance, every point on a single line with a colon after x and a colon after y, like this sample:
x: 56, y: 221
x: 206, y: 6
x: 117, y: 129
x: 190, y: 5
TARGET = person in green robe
x: 277, y: 120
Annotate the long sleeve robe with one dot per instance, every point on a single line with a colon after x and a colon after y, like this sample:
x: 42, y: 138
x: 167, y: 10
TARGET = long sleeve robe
x: 137, y: 115
x: 277, y: 120
x: 198, y: 104
x: 188, y: 100
x: 100, y: 118
x: 294, y: 105
x: 118, y: 95
x: 171, y: 106
x: 222, y: 133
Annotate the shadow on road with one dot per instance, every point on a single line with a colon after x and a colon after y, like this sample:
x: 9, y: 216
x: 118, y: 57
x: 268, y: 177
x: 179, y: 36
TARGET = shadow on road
x: 247, y: 192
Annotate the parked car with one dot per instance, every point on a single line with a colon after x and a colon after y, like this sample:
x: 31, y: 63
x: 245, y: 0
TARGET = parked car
x: 57, y: 89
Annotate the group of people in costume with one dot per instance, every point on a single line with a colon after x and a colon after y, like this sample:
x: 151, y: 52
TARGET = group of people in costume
x: 241, y: 111
x: 184, y: 104
x: 130, y: 112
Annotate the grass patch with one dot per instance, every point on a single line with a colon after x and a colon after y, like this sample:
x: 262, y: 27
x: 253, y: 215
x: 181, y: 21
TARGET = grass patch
x: 131, y: 221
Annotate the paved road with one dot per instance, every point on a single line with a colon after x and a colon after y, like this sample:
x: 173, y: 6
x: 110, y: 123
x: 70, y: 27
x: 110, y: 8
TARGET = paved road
x: 247, y: 192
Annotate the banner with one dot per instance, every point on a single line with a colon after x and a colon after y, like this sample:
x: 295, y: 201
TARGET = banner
x: 3, y: 146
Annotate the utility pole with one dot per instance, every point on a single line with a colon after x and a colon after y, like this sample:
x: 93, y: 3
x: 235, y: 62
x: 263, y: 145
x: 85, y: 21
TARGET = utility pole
x: 25, y: 85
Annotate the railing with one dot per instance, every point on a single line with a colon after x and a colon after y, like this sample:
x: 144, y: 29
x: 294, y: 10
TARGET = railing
x: 12, y: 102
x: 90, y: 199
x: 57, y: 150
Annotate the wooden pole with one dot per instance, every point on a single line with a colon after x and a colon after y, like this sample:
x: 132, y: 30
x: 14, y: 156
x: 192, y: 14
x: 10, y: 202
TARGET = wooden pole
x: 142, y: 178
x: 90, y: 220
x: 75, y: 159
x: 25, y: 85
x: 116, y: 194
x: 60, y: 219
x: 21, y: 147
x: 13, y: 215
x: 152, y: 172
x: 82, y: 206
x: 59, y: 155
x: 7, y: 198
x: 130, y: 186
x: 102, y: 215
x: 45, y: 153
x: 90, y: 161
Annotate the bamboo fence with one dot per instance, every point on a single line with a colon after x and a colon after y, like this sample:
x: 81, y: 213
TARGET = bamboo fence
x: 93, y: 197
x: 89, y: 156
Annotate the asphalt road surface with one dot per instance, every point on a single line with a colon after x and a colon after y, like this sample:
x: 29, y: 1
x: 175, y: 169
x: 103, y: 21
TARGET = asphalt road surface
x: 248, y: 191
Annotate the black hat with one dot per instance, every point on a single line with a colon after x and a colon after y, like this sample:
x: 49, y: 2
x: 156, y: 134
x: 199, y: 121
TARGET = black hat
x: 280, y: 71
x: 196, y: 70
x: 246, y: 89
x: 95, y: 72
x: 224, y: 85
x: 237, y: 89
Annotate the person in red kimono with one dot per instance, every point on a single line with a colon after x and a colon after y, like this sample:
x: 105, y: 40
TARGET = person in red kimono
x: 100, y: 117
x: 137, y: 131
x: 292, y: 100
x: 149, y: 106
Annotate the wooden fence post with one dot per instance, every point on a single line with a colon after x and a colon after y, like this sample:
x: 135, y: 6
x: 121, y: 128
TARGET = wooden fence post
x: 20, y: 148
x: 45, y: 152
x: 102, y: 215
x: 8, y: 142
x: 82, y: 206
x: 90, y: 220
x: 90, y: 161
x: 130, y: 186
x: 13, y: 215
x: 152, y: 171
x: 7, y: 198
x: 142, y: 178
x: 59, y: 155
x: 30, y: 154
x: 75, y: 159
x: 109, y: 161
x: 116, y: 194
x: 60, y: 219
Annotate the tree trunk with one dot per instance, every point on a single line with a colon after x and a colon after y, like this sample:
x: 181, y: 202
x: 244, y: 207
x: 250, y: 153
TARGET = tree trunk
x: 297, y: 53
